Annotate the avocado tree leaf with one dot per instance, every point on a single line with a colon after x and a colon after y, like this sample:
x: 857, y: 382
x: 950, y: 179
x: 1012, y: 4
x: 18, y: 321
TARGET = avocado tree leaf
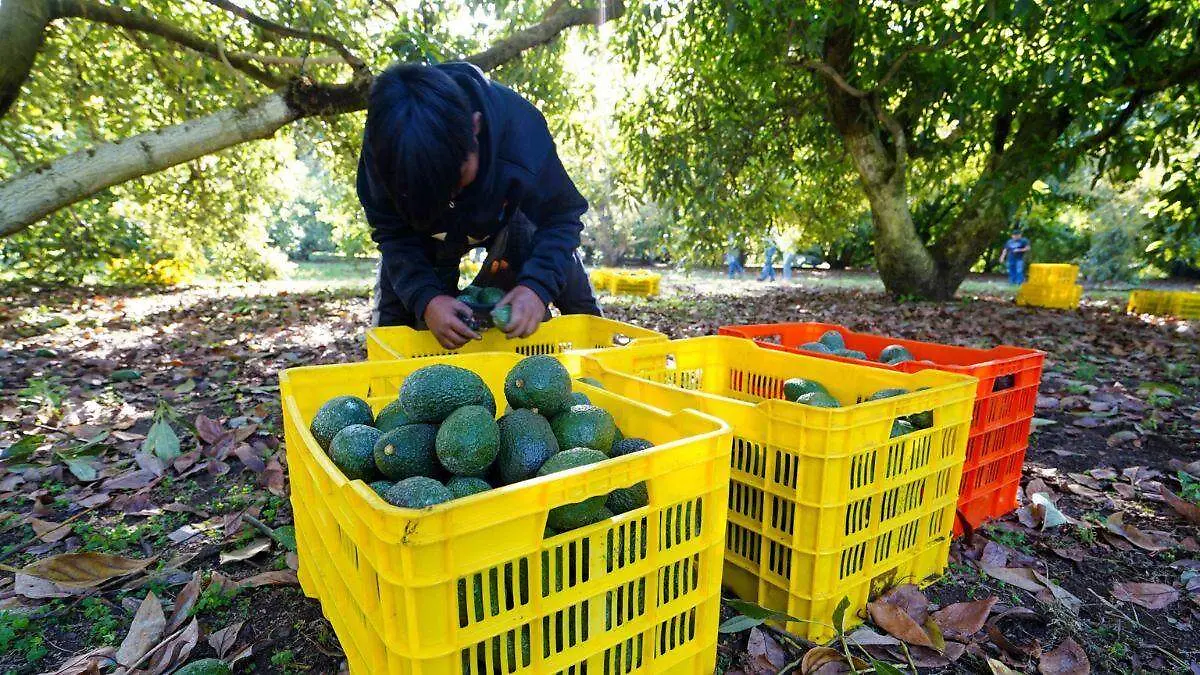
x: 738, y: 623
x: 84, y: 570
x: 162, y: 441
x: 839, y: 614
x: 22, y: 449
x: 757, y: 611
x: 884, y: 668
x: 82, y: 468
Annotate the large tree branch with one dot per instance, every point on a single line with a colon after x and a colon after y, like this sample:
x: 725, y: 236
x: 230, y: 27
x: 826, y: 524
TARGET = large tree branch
x: 22, y: 30
x: 142, y: 22
x: 37, y: 193
x: 266, y: 24
x: 1114, y: 126
x: 819, y: 66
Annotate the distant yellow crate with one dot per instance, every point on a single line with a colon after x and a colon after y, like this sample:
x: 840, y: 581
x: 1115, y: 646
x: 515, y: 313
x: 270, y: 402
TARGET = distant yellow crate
x: 639, y: 592
x: 1052, y: 274
x: 627, y: 282
x: 1050, y: 296
x: 1182, y: 304
x: 1185, y: 304
x: 560, y: 334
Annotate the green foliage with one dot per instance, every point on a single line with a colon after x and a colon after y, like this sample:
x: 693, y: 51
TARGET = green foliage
x: 103, y: 626
x: 1189, y: 487
x: 21, y: 635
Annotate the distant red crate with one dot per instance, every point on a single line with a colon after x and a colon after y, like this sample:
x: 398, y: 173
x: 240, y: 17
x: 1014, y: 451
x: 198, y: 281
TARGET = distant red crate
x: 1004, y: 402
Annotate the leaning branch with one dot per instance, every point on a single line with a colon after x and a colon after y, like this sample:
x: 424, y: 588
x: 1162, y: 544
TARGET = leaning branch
x: 542, y: 33
x: 266, y: 24
x: 142, y: 22
x: 46, y: 188
x: 819, y: 66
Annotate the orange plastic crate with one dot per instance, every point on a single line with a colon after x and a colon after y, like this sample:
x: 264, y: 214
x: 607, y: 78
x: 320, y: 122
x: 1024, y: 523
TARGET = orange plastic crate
x: 1004, y: 402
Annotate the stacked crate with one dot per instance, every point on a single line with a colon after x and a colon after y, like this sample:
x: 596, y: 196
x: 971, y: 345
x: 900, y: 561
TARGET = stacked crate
x: 1052, y: 286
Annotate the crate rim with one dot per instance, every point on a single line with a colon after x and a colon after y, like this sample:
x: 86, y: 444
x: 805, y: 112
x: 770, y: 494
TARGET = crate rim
x: 719, y: 428
x: 950, y: 381
x: 1011, y: 351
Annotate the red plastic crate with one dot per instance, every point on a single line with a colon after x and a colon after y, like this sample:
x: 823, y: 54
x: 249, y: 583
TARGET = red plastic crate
x: 1004, y: 401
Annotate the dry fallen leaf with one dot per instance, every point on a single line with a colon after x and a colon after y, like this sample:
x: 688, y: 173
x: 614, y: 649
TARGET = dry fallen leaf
x: 964, y: 619
x: 38, y: 589
x: 145, y: 631
x: 173, y: 652
x: 1188, y: 510
x: 1066, y: 659
x: 84, y: 570
x: 766, y: 654
x: 224, y: 640
x: 272, y: 578
x: 246, y: 552
x: 1148, y: 595
x: 184, y: 601
x: 999, y: 668
x: 1021, y: 577
x: 909, y: 598
x: 1116, y: 525
x: 86, y: 664
x: 898, y: 623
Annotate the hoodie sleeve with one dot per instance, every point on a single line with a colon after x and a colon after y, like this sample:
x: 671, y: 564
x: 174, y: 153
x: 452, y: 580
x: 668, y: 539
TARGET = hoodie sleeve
x: 404, y: 252
x: 555, y: 207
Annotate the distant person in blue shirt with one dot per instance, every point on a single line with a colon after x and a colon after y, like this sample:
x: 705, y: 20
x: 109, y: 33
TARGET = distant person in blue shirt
x: 1014, y: 254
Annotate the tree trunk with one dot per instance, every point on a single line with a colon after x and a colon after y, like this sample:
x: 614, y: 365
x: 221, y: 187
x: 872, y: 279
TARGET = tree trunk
x: 22, y: 30
x: 41, y: 191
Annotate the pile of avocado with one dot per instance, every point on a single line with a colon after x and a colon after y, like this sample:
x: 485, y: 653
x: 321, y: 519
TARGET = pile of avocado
x: 832, y: 342
x: 440, y: 439
x: 483, y: 299
x: 813, y: 393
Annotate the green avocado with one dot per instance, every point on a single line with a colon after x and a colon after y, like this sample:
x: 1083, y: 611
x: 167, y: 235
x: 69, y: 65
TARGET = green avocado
x: 818, y: 399
x: 526, y: 442
x: 628, y: 446
x: 585, y: 426
x: 417, y: 492
x: 337, y: 414
x: 623, y: 500
x: 391, y: 416
x: 833, y: 340
x: 468, y: 441
x: 465, y: 486
x: 351, y: 450
x: 579, y: 514
x: 796, y: 387
x: 407, y: 451
x: 431, y: 393
x: 816, y: 347
x: 894, y: 354
x: 540, y: 383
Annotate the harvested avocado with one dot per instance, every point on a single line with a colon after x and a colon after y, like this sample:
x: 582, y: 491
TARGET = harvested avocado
x: 381, y: 486
x: 818, y: 399
x: 351, y: 450
x: 901, y: 427
x: 417, y: 493
x: 887, y: 393
x: 501, y: 316
x: 833, y: 340
x: 337, y: 414
x: 539, y: 383
x: 796, y: 387
x: 628, y: 446
x: 490, y: 295
x: 623, y: 500
x: 431, y: 393
x: 816, y: 347
x: 526, y: 442
x: 468, y: 441
x: 391, y: 416
x: 407, y: 451
x: 579, y: 398
x: 894, y: 354
x: 851, y: 353
x: 921, y: 420
x: 579, y: 514
x: 585, y: 426
x: 464, y: 486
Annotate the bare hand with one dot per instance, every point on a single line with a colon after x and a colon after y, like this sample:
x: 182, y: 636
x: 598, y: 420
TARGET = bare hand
x: 443, y: 316
x: 527, y: 311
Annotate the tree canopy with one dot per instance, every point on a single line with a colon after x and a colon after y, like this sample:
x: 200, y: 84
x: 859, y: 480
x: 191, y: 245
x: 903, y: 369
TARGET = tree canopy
x: 945, y: 113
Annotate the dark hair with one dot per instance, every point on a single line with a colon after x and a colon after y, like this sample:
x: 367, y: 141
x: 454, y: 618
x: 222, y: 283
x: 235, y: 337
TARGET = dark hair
x: 420, y: 130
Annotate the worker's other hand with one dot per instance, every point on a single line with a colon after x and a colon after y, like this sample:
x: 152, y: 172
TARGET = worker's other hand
x: 444, y: 316
x: 527, y: 311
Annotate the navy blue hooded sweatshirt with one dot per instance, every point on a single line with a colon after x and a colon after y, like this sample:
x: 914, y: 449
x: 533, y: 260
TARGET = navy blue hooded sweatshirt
x: 518, y: 169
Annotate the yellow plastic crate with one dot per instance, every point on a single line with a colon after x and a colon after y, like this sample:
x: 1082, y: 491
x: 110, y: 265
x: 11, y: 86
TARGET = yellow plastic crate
x: 1053, y: 297
x: 638, y: 593
x: 1149, y: 302
x: 627, y: 282
x: 1052, y: 274
x: 823, y: 504
x: 1185, y: 304
x: 560, y: 334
